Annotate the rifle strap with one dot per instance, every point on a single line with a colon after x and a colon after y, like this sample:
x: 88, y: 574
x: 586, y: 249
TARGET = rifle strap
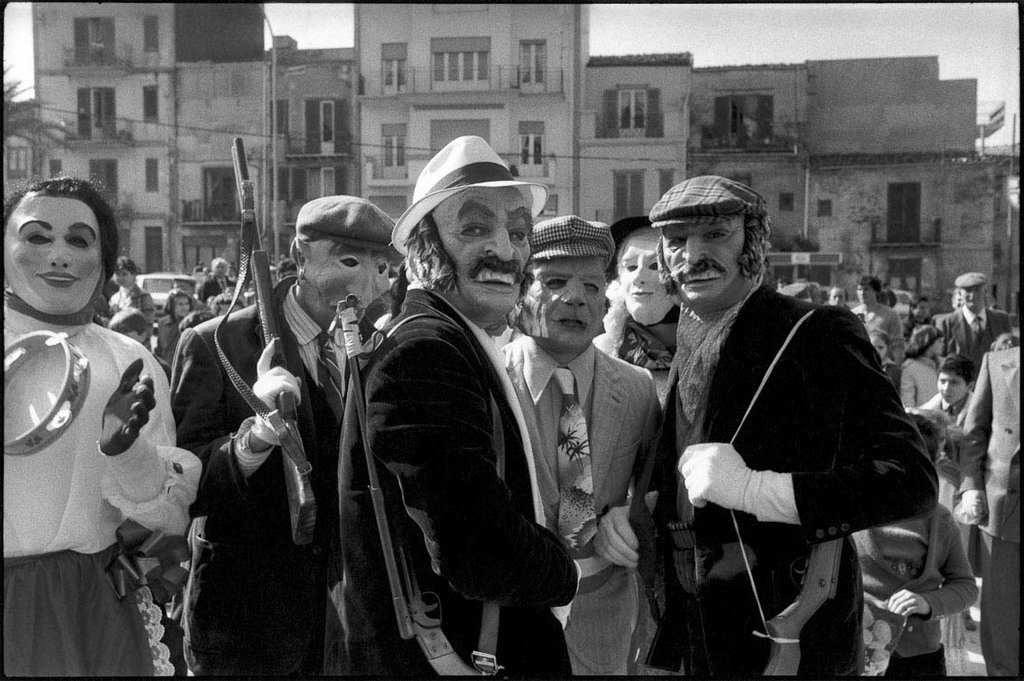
x: 484, y: 657
x: 245, y: 247
x: 732, y: 513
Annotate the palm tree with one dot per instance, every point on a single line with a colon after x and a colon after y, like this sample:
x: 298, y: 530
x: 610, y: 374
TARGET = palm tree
x: 21, y: 118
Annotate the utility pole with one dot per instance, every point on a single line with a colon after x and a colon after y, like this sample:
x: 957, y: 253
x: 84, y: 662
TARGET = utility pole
x: 1009, y: 219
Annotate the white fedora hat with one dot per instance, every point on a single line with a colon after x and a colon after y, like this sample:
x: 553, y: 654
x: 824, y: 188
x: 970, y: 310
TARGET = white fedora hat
x: 466, y: 162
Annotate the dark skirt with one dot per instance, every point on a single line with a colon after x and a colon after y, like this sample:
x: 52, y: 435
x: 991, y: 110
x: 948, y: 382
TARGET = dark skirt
x: 62, y: 618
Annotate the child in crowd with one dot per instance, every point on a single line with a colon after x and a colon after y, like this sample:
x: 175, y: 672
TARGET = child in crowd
x: 920, y: 371
x: 194, y: 318
x: 881, y: 341
x: 179, y: 303
x: 954, y: 385
x: 132, y: 323
x: 918, y: 569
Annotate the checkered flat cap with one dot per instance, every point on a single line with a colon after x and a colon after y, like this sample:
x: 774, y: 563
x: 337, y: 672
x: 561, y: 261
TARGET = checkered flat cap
x: 571, y: 236
x: 705, y: 199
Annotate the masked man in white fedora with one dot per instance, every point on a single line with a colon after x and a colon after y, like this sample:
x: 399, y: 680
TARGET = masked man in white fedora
x: 450, y: 449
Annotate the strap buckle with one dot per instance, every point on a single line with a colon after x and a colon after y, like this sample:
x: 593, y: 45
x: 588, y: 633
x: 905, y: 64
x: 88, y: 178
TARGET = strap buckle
x: 485, y: 663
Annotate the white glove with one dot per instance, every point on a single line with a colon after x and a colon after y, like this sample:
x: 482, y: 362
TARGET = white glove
x: 271, y: 382
x: 715, y: 472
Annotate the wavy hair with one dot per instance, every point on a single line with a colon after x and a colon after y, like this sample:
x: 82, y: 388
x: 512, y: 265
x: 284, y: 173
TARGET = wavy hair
x: 921, y: 338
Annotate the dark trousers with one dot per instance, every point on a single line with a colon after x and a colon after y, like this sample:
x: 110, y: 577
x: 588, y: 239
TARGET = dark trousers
x: 927, y: 666
x: 1000, y: 606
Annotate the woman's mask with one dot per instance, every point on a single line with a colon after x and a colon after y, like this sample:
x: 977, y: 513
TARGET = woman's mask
x: 52, y: 257
x: 646, y: 299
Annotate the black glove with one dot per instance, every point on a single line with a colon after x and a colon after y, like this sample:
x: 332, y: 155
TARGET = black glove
x: 127, y: 410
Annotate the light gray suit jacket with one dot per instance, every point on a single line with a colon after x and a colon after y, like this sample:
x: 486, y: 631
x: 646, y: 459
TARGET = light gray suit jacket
x: 624, y: 423
x: 991, y: 449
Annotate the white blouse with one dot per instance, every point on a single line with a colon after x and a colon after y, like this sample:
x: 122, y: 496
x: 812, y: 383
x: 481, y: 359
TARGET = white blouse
x: 69, y: 496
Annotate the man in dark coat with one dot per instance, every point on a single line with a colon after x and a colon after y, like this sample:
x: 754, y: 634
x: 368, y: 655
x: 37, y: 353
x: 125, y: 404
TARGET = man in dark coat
x: 825, y: 451
x: 447, y: 435
x: 256, y: 602
x: 970, y: 329
x: 218, y: 282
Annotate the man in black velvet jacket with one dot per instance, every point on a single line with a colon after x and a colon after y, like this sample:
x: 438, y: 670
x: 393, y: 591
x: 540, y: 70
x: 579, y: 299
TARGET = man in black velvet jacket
x: 443, y: 418
x: 256, y: 603
x: 825, y: 451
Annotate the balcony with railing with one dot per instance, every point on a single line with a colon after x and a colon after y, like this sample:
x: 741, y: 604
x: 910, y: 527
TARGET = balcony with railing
x: 651, y: 124
x: 492, y: 79
x: 109, y: 131
x: 199, y: 211
x: 923, y: 235
x: 293, y: 145
x: 714, y: 139
x: 106, y: 56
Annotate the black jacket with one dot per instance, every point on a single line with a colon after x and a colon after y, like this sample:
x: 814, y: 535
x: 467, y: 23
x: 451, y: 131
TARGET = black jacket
x: 468, y: 536
x: 255, y: 599
x: 828, y: 415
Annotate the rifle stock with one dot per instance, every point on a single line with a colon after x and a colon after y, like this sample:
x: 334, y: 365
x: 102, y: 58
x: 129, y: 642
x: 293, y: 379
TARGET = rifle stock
x: 412, y: 614
x: 297, y: 469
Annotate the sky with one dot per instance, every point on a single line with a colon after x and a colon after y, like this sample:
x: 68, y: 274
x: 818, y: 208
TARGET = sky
x: 972, y: 40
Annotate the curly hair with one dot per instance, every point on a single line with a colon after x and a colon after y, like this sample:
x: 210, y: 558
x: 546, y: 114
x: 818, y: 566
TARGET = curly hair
x: 80, y: 190
x: 921, y: 338
x: 757, y: 231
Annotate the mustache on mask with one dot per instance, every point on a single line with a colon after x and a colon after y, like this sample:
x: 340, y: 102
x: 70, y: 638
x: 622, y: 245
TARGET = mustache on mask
x: 496, y: 264
x: 699, y: 267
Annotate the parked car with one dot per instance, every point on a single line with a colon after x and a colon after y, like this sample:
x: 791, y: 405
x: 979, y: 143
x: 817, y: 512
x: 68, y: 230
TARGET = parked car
x: 159, y: 284
x: 904, y: 304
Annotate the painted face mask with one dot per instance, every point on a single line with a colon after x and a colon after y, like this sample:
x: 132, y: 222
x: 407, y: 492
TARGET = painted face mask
x: 52, y: 258
x: 646, y: 299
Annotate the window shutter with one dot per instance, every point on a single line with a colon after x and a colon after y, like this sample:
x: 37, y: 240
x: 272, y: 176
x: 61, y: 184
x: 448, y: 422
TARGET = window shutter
x: 655, y: 124
x: 81, y: 36
x: 764, y: 116
x: 636, y: 193
x: 282, y: 183
x: 312, y: 126
x: 299, y: 184
x: 721, y: 116
x: 611, y: 114
x: 341, y: 132
x: 912, y: 211
x: 621, y: 194
x: 84, y: 112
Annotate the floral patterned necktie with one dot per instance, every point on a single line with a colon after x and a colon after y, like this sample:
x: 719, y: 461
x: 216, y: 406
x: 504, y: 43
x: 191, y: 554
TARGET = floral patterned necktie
x: 330, y: 375
x: 577, y: 522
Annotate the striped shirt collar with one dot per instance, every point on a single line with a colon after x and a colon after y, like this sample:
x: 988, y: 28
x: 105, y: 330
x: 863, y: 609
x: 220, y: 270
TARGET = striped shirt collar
x: 305, y: 330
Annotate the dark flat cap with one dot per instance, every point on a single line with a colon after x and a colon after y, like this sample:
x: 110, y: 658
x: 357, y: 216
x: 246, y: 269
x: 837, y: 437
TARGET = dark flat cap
x: 970, y: 279
x: 704, y: 199
x: 571, y: 236
x: 626, y: 226
x: 350, y: 218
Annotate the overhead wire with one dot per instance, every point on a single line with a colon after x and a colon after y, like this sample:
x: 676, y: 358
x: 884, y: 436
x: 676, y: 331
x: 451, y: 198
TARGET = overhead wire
x: 365, y: 145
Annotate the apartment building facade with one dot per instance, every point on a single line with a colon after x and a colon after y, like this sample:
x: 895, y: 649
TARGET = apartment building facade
x: 893, y: 164
x: 313, y: 134
x: 510, y: 73
x: 221, y: 93
x: 633, y: 132
x: 149, y: 96
x: 104, y: 73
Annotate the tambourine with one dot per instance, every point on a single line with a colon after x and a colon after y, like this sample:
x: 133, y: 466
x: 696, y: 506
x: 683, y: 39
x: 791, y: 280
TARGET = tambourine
x: 46, y: 379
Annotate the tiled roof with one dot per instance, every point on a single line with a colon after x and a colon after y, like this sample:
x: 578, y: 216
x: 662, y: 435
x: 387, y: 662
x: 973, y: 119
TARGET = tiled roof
x: 666, y: 59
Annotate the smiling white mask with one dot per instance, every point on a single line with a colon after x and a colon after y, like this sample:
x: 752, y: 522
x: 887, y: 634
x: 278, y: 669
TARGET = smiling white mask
x: 52, y: 258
